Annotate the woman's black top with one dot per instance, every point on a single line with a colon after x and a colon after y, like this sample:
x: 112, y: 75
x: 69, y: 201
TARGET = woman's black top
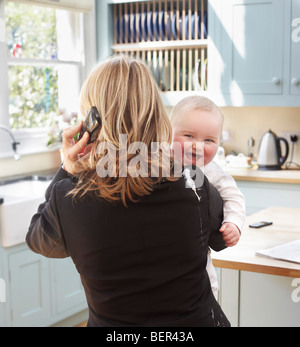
x: 141, y: 265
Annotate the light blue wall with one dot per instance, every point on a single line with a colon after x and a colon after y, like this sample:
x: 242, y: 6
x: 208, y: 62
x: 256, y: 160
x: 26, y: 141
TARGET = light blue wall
x: 104, y: 25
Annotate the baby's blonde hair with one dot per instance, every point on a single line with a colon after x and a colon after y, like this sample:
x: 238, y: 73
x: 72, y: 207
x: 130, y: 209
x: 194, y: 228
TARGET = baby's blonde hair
x: 195, y: 102
x: 129, y: 103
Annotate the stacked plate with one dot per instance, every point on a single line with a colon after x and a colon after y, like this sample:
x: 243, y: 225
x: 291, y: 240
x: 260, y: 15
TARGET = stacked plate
x: 157, y: 26
x: 164, y: 73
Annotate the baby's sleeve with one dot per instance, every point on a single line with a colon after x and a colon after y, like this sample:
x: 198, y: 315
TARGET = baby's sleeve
x: 233, y: 199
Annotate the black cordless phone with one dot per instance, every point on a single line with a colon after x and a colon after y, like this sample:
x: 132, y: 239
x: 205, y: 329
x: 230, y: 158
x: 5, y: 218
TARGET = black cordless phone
x: 92, y: 125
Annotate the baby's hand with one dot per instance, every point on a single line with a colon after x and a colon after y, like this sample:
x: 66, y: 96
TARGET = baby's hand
x: 231, y: 234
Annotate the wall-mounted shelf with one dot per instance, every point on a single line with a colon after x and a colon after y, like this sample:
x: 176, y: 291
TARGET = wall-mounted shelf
x: 159, y: 45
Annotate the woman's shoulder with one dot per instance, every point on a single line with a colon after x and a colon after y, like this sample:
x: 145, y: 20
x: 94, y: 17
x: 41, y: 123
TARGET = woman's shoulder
x: 61, y: 183
x: 65, y: 185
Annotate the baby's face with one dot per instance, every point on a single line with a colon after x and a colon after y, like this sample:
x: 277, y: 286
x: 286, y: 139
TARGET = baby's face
x: 196, y: 135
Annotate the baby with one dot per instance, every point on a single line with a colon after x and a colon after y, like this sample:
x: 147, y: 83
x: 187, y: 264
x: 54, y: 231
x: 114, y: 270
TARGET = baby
x: 197, y: 126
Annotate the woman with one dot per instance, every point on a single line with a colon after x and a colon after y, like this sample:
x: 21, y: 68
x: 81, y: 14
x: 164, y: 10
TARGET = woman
x: 139, y: 243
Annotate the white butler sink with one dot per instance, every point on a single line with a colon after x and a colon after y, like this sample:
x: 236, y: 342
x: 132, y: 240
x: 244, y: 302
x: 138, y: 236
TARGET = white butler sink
x: 21, y: 201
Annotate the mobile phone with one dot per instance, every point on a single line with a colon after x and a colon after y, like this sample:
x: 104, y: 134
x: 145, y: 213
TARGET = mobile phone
x: 92, y: 125
x: 260, y: 225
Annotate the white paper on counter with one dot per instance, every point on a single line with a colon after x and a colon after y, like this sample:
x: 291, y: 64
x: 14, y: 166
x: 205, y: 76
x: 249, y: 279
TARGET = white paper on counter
x: 288, y: 252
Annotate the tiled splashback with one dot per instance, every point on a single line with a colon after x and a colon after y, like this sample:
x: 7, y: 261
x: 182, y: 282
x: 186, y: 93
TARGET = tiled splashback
x: 246, y: 122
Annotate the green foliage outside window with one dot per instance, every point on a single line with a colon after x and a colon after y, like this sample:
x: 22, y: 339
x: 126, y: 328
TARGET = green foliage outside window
x: 31, y: 34
x: 32, y: 102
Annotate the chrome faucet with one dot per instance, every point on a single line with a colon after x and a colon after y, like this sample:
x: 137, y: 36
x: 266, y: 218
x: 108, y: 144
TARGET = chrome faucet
x: 14, y: 142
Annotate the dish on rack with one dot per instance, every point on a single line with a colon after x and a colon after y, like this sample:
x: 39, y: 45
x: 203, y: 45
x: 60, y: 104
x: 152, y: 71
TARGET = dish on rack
x: 165, y: 76
x: 140, y: 30
x: 133, y: 28
x: 196, y: 76
x: 154, y: 68
x: 168, y: 26
x: 117, y: 29
x: 199, y: 25
x: 187, y: 26
x: 122, y: 29
x: 125, y: 26
x: 128, y: 26
x: 176, y: 35
x: 150, y: 25
x: 162, y: 27
x: 156, y: 25
x: 145, y: 26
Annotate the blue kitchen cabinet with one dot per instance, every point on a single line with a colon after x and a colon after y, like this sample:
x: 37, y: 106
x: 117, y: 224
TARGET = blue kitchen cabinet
x: 255, y: 52
x: 261, y: 195
x: 252, y: 299
x: 39, y: 291
x: 29, y: 289
x: 252, y: 46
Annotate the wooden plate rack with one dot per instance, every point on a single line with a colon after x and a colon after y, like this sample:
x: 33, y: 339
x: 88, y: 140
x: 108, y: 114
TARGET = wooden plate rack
x: 170, y: 36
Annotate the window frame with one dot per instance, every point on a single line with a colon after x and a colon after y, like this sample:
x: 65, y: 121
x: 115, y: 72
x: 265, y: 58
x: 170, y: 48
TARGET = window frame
x: 33, y: 141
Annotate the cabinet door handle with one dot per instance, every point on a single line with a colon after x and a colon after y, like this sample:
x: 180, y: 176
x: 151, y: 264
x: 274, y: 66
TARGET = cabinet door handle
x: 295, y: 81
x: 276, y: 81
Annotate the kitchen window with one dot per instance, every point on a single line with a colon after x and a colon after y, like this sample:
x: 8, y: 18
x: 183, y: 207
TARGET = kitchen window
x: 46, y: 58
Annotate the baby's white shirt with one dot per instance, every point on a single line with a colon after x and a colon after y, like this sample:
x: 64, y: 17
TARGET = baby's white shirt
x: 234, y: 209
x: 234, y: 201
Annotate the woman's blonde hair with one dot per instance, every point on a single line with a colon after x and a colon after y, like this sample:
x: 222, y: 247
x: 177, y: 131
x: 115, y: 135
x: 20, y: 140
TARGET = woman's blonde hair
x: 129, y: 103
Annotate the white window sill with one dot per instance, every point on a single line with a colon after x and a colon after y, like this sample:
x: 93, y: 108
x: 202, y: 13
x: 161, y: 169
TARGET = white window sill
x: 32, y: 151
x: 32, y: 141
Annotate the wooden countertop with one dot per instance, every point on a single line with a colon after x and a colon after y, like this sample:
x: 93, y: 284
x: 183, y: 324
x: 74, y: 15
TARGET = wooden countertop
x: 253, y: 174
x: 285, y: 228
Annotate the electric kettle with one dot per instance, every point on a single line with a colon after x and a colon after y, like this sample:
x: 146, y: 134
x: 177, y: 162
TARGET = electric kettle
x: 270, y: 156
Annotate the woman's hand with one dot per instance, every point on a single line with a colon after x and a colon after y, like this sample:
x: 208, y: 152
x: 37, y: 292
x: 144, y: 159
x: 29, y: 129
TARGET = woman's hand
x: 72, y: 150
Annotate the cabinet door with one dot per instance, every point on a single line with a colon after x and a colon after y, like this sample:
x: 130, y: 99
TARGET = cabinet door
x: 29, y: 289
x: 295, y: 48
x: 268, y: 301
x: 252, y: 46
x: 66, y: 286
